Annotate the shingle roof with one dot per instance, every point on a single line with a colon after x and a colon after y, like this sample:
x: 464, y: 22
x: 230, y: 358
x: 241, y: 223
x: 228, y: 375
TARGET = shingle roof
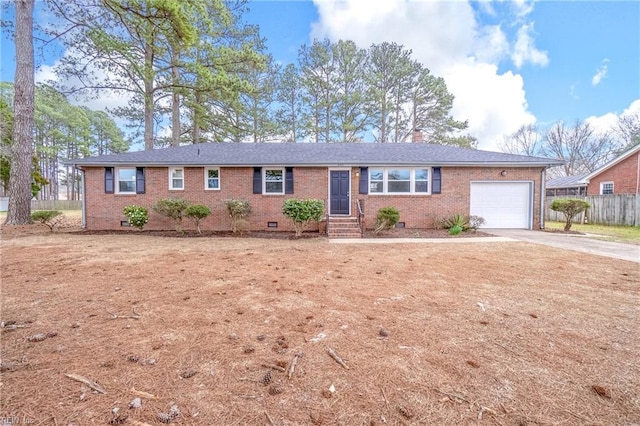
x: 566, y: 182
x: 312, y: 154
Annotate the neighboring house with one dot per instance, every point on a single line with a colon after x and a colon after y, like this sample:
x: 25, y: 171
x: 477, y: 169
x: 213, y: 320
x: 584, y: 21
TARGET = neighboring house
x: 425, y: 182
x: 619, y: 176
x: 566, y: 185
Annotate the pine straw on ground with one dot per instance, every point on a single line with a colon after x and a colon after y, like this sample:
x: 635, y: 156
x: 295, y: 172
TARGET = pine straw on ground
x: 478, y: 333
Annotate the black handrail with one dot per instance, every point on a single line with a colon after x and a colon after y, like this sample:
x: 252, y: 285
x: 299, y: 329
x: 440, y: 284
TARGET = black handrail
x: 360, y: 216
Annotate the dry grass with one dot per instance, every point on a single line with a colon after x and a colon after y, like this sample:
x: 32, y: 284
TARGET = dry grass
x: 478, y: 333
x: 625, y: 234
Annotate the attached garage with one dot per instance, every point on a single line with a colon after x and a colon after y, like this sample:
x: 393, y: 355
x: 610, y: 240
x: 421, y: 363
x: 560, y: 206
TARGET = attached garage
x: 503, y: 204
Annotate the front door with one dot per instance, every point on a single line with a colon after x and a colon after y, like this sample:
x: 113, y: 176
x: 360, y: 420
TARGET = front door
x: 339, y: 192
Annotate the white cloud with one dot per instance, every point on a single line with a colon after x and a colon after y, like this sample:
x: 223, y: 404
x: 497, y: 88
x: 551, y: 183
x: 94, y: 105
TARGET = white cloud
x: 605, y: 123
x: 525, y: 51
x: 494, y: 104
x: 601, y: 72
x: 105, y: 99
x: 446, y: 37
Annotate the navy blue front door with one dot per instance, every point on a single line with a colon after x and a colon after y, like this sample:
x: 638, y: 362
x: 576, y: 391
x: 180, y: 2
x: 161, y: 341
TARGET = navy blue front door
x: 339, y: 190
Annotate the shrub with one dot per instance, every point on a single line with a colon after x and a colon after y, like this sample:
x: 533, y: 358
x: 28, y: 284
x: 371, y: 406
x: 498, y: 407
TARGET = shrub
x: 570, y: 207
x: 476, y: 222
x: 197, y: 212
x: 386, y: 218
x: 302, y: 212
x: 455, y: 230
x: 48, y: 217
x: 238, y: 212
x: 455, y: 219
x: 137, y: 216
x: 173, y: 208
x: 464, y: 222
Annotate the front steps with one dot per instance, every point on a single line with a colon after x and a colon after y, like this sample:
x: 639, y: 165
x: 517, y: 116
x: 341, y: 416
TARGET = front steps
x: 343, y: 227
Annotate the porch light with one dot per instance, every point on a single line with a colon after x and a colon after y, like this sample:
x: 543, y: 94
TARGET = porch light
x: 503, y: 173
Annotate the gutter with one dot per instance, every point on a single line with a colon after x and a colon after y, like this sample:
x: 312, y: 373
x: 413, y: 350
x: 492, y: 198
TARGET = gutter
x: 430, y: 163
x: 82, y: 196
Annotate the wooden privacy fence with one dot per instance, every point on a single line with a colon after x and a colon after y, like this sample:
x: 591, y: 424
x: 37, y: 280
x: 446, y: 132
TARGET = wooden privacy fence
x: 622, y: 209
x: 56, y: 204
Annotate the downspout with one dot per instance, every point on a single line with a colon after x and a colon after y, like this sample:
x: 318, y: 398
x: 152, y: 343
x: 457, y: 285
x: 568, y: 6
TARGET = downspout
x: 82, y: 198
x: 543, y: 195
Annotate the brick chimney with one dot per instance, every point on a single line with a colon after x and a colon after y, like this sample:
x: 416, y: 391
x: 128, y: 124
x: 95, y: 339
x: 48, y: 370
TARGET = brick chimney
x: 416, y: 137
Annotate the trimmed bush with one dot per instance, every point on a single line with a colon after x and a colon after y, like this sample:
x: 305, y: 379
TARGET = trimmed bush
x: 238, y: 211
x: 570, y: 207
x: 386, y: 218
x: 137, y: 216
x: 302, y: 212
x: 197, y: 212
x: 173, y: 208
x: 47, y: 217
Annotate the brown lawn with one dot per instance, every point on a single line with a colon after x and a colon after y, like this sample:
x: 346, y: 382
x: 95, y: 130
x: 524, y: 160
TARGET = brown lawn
x: 471, y: 333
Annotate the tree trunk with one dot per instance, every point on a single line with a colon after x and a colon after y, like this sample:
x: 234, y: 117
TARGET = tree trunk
x: 19, y: 212
x: 148, y: 97
x: 196, y: 116
x: 175, y: 104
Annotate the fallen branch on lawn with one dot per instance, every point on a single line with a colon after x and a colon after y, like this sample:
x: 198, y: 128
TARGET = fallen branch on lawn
x: 460, y: 398
x: 269, y: 418
x: 135, y: 316
x: 93, y: 385
x: 292, y: 366
x: 337, y: 358
x: 142, y: 394
x: 452, y: 395
x: 386, y: 401
x: 274, y: 367
x: 137, y: 423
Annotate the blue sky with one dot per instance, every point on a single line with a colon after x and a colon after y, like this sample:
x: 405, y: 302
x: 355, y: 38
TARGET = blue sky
x: 507, y: 62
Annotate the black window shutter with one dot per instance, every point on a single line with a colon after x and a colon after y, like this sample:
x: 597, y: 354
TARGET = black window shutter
x: 436, y: 185
x: 288, y: 180
x: 108, y: 180
x: 140, y: 180
x: 257, y: 180
x: 364, y: 180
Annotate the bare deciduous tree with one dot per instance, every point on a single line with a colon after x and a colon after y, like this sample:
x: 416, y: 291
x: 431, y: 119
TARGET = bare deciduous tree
x: 582, y: 149
x: 628, y: 130
x: 527, y: 140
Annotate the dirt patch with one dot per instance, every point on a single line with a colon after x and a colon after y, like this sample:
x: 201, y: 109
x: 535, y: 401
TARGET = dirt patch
x: 205, y: 331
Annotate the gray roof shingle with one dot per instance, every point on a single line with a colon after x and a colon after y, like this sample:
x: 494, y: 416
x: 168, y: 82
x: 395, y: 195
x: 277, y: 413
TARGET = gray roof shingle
x: 312, y: 154
x: 566, y: 182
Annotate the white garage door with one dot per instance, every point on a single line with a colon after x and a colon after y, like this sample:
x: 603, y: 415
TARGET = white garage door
x: 502, y: 204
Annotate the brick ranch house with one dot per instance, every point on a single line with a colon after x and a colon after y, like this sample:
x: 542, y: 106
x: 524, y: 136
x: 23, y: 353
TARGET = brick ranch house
x: 619, y: 176
x: 423, y: 181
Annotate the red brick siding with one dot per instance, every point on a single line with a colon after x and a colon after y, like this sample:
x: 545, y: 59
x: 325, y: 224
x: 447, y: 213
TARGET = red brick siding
x: 421, y: 211
x: 624, y: 176
x: 104, y: 211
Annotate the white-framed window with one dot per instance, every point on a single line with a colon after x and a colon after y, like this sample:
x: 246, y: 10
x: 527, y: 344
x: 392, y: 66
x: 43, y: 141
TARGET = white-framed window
x: 126, y: 180
x: 212, y: 178
x: 273, y: 181
x: 399, y: 181
x: 606, y: 188
x: 176, y: 178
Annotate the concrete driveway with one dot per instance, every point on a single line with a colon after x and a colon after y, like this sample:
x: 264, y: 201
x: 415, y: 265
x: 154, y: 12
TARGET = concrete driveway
x: 575, y: 242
